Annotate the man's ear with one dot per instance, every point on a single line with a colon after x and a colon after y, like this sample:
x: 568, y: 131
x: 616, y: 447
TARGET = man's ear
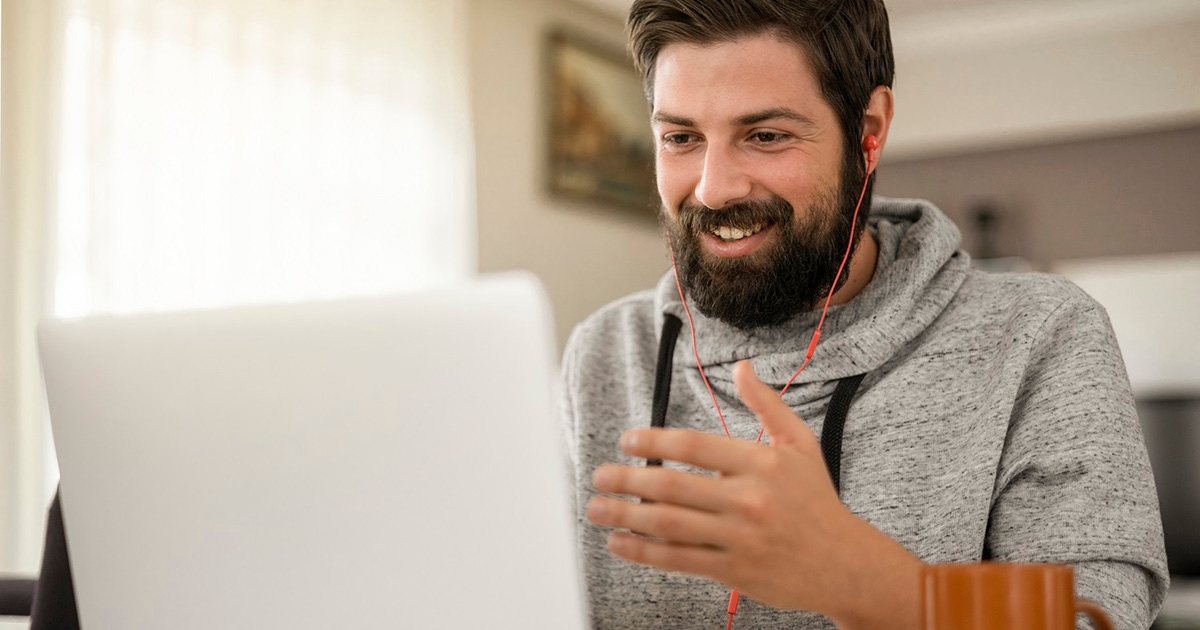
x: 877, y: 118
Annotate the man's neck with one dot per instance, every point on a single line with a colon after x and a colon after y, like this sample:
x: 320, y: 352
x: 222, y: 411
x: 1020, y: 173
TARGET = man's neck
x: 862, y: 269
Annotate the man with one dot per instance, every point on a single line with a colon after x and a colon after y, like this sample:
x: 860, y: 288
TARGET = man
x: 980, y: 416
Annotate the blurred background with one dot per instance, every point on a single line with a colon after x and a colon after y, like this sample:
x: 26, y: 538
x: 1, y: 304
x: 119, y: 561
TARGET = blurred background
x: 165, y: 154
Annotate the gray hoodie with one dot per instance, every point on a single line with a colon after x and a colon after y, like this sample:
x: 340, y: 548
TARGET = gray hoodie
x: 995, y: 420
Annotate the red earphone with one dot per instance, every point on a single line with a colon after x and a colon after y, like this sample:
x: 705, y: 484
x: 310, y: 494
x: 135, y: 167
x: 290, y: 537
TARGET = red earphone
x: 870, y: 145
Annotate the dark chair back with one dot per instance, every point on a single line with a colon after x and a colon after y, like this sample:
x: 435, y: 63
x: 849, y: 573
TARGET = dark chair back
x: 53, y: 605
x: 16, y: 596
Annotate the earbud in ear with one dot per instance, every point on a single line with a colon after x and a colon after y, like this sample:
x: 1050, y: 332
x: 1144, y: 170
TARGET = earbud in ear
x: 871, y: 146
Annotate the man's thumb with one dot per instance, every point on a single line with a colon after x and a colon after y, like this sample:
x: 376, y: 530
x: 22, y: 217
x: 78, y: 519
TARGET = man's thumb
x: 776, y: 417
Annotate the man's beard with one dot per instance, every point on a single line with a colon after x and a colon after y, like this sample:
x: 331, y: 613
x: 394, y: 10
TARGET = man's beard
x: 779, y: 281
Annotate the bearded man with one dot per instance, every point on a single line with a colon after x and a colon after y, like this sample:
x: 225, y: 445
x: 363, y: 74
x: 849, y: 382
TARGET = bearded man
x: 930, y: 412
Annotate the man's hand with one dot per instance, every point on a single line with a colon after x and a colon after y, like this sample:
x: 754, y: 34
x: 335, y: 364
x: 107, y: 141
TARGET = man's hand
x: 770, y: 525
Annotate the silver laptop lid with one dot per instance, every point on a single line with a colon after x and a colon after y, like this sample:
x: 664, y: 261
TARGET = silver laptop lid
x: 371, y: 463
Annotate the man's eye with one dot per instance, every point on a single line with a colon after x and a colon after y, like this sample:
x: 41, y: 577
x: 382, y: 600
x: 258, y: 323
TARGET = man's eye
x: 768, y: 137
x: 678, y: 139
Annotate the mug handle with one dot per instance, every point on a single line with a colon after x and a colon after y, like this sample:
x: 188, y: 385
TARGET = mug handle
x: 1093, y: 610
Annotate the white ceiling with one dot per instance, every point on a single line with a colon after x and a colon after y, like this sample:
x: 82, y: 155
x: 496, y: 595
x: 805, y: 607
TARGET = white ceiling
x: 923, y: 27
x: 897, y: 8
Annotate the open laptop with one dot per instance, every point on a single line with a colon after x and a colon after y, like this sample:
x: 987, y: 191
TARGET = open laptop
x: 382, y: 462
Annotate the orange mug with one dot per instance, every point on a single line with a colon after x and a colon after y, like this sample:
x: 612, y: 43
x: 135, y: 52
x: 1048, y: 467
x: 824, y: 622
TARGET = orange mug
x: 1003, y: 596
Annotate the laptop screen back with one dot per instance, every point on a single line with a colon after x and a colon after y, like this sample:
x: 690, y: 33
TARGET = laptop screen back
x: 372, y: 463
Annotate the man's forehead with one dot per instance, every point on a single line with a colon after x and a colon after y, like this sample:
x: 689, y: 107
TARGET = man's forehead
x: 735, y: 81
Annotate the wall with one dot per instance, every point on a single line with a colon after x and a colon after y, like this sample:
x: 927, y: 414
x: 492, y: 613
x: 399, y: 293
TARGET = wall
x: 975, y: 74
x: 25, y: 51
x: 1003, y: 74
x: 1119, y: 196
x: 586, y: 255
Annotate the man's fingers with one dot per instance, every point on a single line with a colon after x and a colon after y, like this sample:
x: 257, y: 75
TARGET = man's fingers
x: 663, y: 485
x: 669, y: 556
x: 660, y: 520
x: 713, y: 452
x: 776, y: 417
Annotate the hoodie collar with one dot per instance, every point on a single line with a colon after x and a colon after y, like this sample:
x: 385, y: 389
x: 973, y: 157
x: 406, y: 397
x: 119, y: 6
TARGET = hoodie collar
x: 917, y: 273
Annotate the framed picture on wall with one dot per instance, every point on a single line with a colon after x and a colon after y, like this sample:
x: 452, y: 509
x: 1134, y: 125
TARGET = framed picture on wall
x: 600, y: 149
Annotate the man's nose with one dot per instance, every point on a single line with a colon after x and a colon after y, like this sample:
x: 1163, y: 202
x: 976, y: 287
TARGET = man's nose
x: 723, y: 181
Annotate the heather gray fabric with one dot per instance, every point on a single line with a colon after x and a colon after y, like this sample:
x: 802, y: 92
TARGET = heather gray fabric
x: 996, y: 417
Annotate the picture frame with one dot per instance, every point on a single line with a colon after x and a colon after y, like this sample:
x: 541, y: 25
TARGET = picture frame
x: 599, y: 146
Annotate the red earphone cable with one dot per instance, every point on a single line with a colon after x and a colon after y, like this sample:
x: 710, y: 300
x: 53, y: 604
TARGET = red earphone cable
x: 695, y: 350
x: 734, y: 596
x: 812, y: 345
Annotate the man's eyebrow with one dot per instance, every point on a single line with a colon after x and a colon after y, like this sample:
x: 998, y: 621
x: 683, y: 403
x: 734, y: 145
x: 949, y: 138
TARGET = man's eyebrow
x: 671, y: 119
x: 777, y: 112
x: 743, y: 121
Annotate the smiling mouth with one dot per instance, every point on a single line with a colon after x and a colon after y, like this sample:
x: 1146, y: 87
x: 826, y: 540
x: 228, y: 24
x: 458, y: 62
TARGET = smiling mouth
x: 731, y: 234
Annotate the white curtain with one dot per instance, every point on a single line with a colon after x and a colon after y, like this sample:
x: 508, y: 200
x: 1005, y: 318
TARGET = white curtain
x: 214, y: 152
x: 231, y: 151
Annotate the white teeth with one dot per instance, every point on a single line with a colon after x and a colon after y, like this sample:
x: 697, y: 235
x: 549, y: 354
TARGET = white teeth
x: 735, y: 234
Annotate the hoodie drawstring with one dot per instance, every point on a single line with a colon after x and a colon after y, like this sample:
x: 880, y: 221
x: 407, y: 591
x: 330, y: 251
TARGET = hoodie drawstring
x: 835, y: 416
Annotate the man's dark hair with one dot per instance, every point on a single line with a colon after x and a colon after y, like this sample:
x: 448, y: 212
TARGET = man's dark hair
x: 848, y: 42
